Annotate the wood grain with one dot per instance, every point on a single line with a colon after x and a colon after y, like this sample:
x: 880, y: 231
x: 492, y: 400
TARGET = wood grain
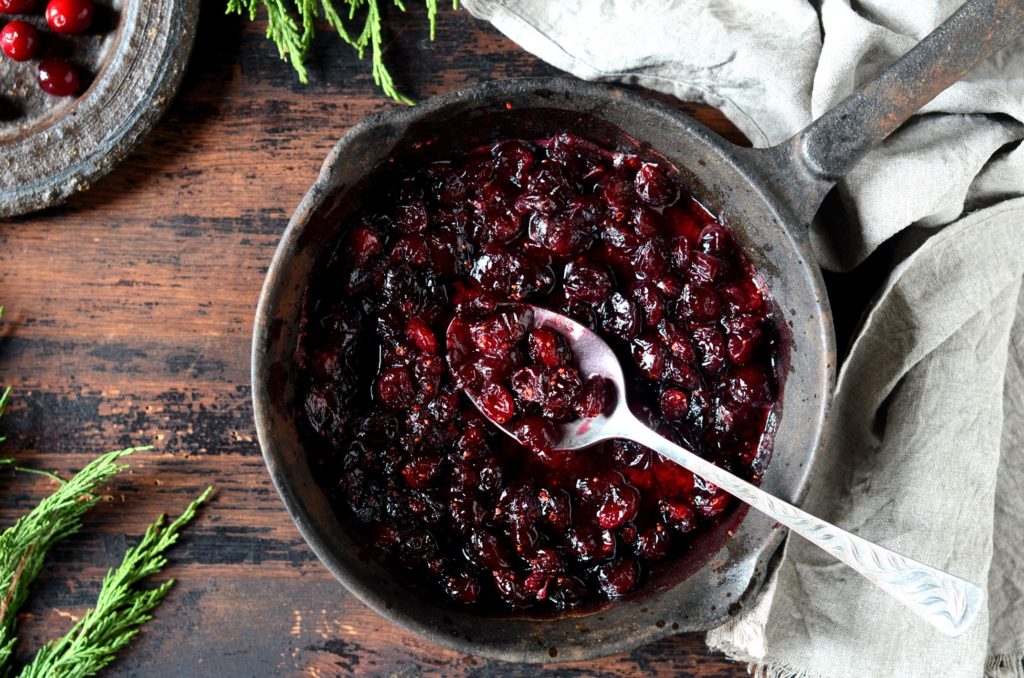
x: 128, y: 320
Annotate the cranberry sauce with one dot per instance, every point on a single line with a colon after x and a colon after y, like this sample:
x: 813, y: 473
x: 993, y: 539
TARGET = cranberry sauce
x: 437, y: 494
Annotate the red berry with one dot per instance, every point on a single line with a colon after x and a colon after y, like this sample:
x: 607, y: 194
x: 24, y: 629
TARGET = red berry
x: 593, y: 397
x: 674, y: 404
x: 496, y: 403
x: 57, y: 78
x: 618, y: 577
x: 536, y: 433
x: 19, y: 40
x: 69, y: 16
x: 16, y: 6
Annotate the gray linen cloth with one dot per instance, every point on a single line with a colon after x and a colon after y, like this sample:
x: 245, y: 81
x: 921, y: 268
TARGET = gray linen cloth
x: 925, y: 453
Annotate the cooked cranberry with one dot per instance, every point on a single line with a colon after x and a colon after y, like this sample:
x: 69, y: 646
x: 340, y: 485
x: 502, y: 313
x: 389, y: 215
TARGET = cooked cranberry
x: 57, y: 78
x: 556, y: 234
x: 513, y: 159
x: 619, y: 317
x: 653, y: 543
x: 589, y: 282
x: 654, y: 185
x: 699, y: 303
x: 593, y: 397
x: 743, y: 335
x: 566, y: 592
x: 421, y: 336
x: 620, y: 503
x: 682, y: 251
x: 555, y: 507
x: 649, y: 299
x: 561, y: 389
x: 16, y: 6
x: 678, y: 515
x: 628, y: 453
x: 589, y: 542
x: 363, y: 245
x: 422, y: 477
x: 741, y: 297
x: 462, y: 587
x: 536, y: 433
x: 394, y: 387
x: 674, y: 404
x: 496, y: 403
x: 484, y: 549
x: 547, y: 348
x: 69, y: 16
x: 648, y: 262
x: 709, y: 499
x: 19, y: 40
x: 419, y: 472
x: 512, y: 588
x: 529, y: 383
x: 677, y: 341
x: 706, y: 268
x: 649, y: 356
x: 711, y: 345
x: 618, y: 577
x: 749, y: 384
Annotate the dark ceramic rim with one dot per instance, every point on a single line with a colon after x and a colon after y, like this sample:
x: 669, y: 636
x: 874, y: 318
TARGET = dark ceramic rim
x: 132, y: 90
x: 760, y: 557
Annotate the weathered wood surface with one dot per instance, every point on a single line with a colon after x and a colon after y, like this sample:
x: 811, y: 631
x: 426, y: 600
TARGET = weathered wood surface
x: 128, y: 318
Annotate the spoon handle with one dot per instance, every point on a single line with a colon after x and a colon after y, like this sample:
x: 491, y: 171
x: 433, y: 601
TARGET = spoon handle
x: 946, y: 602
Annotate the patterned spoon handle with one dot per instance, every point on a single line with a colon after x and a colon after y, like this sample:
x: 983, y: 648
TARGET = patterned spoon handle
x: 947, y: 602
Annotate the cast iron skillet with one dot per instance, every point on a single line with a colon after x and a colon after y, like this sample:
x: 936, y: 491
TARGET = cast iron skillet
x: 766, y: 196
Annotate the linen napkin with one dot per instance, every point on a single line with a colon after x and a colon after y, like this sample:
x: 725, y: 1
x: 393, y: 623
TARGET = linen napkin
x: 925, y: 453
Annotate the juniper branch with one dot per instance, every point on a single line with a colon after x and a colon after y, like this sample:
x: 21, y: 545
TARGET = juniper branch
x: 24, y: 545
x: 294, y: 37
x: 121, y: 608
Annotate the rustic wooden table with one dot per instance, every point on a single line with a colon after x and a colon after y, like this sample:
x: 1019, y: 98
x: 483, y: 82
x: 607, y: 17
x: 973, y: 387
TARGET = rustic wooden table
x: 128, y: 319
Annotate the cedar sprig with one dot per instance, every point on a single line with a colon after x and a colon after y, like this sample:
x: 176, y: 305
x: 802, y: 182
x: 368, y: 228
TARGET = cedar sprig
x: 294, y: 37
x: 24, y: 545
x: 121, y: 608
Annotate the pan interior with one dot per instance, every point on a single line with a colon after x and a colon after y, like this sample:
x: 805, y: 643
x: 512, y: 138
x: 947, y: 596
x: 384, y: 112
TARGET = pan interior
x: 706, y: 588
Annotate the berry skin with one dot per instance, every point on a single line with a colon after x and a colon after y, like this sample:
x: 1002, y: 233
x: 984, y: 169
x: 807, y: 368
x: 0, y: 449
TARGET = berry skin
x: 69, y: 16
x: 19, y: 40
x: 16, y: 6
x: 58, y: 78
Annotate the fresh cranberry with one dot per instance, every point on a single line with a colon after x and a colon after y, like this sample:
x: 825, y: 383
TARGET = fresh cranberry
x: 58, y: 78
x: 69, y: 16
x: 16, y: 6
x: 19, y: 40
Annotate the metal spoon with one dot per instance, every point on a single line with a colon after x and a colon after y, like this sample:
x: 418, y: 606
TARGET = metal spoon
x: 946, y: 602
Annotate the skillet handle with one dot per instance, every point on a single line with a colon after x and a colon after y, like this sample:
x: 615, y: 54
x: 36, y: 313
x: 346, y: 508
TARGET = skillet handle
x: 802, y: 169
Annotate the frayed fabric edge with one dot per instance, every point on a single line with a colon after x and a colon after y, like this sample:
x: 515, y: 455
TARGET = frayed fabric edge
x: 1006, y: 665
